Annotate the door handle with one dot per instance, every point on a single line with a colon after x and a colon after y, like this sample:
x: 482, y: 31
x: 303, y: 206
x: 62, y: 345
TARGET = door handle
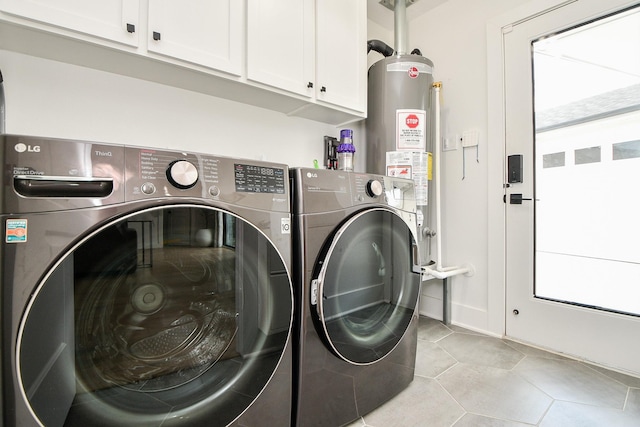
x: 516, y: 199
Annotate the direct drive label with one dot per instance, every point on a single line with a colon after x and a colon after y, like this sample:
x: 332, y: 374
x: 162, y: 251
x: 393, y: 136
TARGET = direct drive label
x: 16, y: 231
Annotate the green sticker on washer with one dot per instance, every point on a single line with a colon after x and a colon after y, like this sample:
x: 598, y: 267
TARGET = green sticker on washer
x: 16, y: 231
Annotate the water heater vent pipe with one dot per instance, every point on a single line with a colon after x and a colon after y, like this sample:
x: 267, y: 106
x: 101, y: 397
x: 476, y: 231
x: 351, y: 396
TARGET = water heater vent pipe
x: 400, y: 26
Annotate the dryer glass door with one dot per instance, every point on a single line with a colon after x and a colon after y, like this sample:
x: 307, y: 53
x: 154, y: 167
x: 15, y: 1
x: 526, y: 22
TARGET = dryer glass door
x: 367, y: 291
x: 177, y: 313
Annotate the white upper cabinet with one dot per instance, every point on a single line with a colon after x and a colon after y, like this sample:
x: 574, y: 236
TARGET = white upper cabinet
x: 315, y: 48
x: 341, y: 53
x: 280, y: 44
x: 115, y: 20
x: 305, y: 58
x: 203, y: 32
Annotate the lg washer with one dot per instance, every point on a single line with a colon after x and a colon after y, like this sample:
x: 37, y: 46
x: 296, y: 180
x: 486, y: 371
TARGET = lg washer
x: 356, y: 282
x: 143, y: 287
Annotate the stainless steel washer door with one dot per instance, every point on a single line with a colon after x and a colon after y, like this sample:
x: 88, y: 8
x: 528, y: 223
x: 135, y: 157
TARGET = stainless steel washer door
x: 364, y: 291
x: 176, y: 315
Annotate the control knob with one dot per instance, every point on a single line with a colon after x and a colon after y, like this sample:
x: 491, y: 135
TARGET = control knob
x: 374, y: 188
x: 182, y: 174
x: 214, y: 191
x: 148, y: 188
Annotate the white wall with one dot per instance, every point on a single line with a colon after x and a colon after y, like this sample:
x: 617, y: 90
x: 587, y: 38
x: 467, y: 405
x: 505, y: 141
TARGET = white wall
x: 454, y: 37
x: 54, y: 99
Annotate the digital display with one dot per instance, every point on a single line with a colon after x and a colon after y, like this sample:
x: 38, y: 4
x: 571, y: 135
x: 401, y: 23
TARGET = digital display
x: 259, y: 179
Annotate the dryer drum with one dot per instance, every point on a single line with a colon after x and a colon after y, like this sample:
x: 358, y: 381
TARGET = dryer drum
x: 369, y: 292
x: 165, y: 329
x: 154, y: 329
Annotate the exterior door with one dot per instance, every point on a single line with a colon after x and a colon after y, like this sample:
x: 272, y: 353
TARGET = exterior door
x: 572, y: 102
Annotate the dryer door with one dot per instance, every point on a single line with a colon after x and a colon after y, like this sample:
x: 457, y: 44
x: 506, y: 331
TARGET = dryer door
x: 365, y: 291
x: 177, y: 315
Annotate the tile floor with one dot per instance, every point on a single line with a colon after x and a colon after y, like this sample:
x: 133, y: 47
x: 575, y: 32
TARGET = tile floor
x: 466, y: 379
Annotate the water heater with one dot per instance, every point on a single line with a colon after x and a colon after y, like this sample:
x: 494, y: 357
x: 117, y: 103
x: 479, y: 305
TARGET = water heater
x: 400, y: 128
x: 399, y: 108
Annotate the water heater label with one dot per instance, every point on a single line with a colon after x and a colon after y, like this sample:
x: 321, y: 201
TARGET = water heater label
x: 411, y: 130
x: 413, y: 165
x: 410, y: 68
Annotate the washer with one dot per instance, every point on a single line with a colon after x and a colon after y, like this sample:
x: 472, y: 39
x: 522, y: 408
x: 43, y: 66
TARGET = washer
x: 143, y: 287
x: 356, y: 288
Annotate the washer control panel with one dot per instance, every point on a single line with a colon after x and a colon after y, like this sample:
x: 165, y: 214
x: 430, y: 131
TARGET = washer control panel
x: 392, y: 191
x: 162, y: 173
x: 334, y: 190
x: 47, y: 174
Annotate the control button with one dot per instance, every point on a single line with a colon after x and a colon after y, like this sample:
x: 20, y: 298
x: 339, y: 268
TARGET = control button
x: 182, y: 174
x: 214, y: 191
x: 374, y: 188
x: 148, y: 188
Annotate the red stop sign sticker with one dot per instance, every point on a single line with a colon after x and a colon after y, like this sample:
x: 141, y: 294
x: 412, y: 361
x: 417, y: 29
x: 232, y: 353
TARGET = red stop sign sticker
x: 412, y: 121
x: 413, y: 72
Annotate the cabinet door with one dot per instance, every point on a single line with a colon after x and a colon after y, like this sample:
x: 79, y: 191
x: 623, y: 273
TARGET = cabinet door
x: 280, y: 36
x: 203, y: 32
x: 341, y: 57
x: 115, y: 20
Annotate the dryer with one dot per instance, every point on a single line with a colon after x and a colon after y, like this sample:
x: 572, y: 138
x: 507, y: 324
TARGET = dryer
x: 356, y: 284
x: 143, y: 287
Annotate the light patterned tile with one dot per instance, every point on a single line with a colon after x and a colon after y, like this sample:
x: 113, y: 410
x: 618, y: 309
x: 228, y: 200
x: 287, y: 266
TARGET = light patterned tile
x: 627, y: 380
x: 431, y: 329
x: 568, y: 414
x: 481, y: 350
x: 495, y: 393
x: 460, y: 329
x: 573, y: 382
x: 532, y: 351
x: 502, y: 383
x: 423, y: 403
x: 432, y: 360
x: 633, y: 402
x: 473, y: 420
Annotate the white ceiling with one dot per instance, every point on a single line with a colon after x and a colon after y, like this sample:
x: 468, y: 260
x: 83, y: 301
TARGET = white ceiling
x: 383, y: 16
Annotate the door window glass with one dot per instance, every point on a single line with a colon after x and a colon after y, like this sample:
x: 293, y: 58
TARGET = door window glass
x: 587, y: 110
x: 369, y: 291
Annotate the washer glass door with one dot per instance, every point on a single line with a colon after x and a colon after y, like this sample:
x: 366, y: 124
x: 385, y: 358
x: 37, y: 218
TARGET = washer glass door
x: 367, y: 290
x: 177, y: 315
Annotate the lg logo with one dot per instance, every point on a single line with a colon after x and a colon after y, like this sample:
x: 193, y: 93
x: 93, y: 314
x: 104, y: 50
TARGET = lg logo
x: 312, y: 175
x: 21, y: 148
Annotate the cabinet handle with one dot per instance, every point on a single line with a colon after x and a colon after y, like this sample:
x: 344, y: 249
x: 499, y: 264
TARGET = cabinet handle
x: 323, y: 89
x: 156, y: 35
x: 310, y: 85
x: 131, y: 28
